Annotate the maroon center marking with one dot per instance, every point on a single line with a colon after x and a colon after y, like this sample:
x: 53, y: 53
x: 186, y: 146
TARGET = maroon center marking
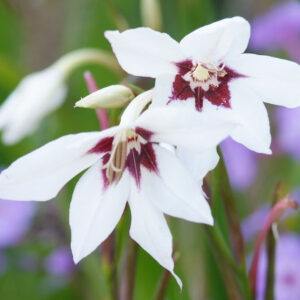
x: 103, y: 146
x: 144, y: 133
x: 146, y: 157
x: 216, y: 95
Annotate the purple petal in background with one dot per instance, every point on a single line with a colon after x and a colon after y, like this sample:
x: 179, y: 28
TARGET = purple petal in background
x: 288, y: 130
x: 241, y: 164
x: 271, y: 30
x: 287, y: 269
x: 253, y: 224
x: 277, y: 29
x: 15, y: 220
x: 60, y: 262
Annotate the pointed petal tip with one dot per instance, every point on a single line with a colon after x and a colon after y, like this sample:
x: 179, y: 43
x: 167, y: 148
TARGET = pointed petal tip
x: 76, y: 256
x: 111, y: 34
x: 178, y: 280
x: 210, y: 221
x: 269, y: 151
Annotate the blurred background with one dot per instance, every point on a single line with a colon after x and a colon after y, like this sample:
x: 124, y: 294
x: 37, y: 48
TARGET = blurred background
x: 35, y: 257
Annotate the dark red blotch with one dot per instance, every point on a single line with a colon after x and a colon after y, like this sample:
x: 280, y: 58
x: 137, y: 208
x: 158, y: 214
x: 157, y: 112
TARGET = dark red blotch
x: 219, y: 96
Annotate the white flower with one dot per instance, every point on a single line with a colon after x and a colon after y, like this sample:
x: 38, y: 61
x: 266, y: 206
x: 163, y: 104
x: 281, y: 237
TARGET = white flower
x: 208, y: 71
x: 40, y: 93
x: 126, y: 163
x: 37, y: 95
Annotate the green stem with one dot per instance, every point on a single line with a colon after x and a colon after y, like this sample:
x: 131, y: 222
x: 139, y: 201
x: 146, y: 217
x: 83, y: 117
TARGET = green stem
x: 223, y: 200
x: 232, y: 214
x: 109, y: 265
x: 271, y: 248
x: 271, y: 245
x: 240, y: 274
x: 76, y: 58
x: 129, y: 270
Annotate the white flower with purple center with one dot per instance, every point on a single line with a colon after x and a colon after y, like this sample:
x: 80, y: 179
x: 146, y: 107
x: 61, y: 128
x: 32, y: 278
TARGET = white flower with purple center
x: 208, y: 71
x: 127, y: 164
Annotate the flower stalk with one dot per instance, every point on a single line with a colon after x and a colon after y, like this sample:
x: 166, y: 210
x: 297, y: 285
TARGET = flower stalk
x: 271, y: 248
x: 92, y: 87
x: 129, y: 270
x: 278, y: 209
x: 75, y: 59
x: 232, y: 215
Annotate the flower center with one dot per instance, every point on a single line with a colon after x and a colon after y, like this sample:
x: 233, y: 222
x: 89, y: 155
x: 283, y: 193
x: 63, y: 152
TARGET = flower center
x: 124, y: 141
x: 205, y: 75
x: 200, y: 73
x: 203, y: 81
x: 128, y: 149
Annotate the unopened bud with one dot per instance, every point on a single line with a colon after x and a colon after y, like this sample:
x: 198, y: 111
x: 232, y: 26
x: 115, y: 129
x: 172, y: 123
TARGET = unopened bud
x: 113, y: 96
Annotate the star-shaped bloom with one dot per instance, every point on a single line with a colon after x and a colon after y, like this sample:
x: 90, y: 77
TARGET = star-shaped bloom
x: 127, y: 164
x: 208, y: 71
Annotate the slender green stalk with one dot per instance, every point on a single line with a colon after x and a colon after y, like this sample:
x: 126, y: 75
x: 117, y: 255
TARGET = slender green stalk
x: 227, y: 222
x: 129, y: 270
x: 109, y: 265
x: 232, y: 214
x: 136, y: 89
x: 277, y: 210
x: 225, y: 262
x: 271, y: 248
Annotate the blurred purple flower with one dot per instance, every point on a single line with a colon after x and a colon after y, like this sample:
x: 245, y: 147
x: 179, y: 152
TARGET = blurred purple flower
x: 278, y: 29
x: 287, y: 269
x: 253, y: 224
x: 288, y: 130
x: 241, y: 164
x: 60, y: 262
x: 15, y: 221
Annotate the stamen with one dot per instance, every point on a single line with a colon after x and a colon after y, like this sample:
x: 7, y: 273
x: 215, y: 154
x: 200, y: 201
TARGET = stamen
x: 201, y: 73
x: 117, y: 161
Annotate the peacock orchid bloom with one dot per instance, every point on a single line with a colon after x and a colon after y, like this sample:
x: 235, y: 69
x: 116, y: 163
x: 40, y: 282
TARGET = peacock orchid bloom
x: 208, y: 71
x: 129, y: 163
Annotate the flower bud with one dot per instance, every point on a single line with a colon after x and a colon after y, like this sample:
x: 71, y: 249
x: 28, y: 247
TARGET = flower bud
x: 110, y: 97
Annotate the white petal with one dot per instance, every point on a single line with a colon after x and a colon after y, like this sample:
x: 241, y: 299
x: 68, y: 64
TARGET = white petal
x: 150, y: 230
x: 163, y: 90
x: 95, y: 212
x: 145, y: 52
x: 36, y: 96
x: 254, y: 131
x: 175, y: 191
x: 275, y: 80
x: 186, y: 127
x: 199, y: 163
x: 41, y: 174
x: 218, y: 41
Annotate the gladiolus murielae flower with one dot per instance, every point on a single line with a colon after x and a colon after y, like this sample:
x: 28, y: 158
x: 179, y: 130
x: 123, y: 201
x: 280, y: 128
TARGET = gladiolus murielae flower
x: 208, y: 71
x: 40, y: 93
x: 127, y: 163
